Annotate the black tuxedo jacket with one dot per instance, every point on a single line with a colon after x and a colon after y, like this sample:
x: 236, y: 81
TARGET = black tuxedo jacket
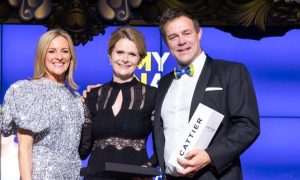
x: 239, y: 128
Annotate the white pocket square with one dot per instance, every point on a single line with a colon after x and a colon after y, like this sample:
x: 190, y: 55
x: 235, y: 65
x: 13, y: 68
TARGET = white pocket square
x: 213, y: 89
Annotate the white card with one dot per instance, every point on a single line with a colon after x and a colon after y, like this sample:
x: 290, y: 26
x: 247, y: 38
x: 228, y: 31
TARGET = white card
x: 200, y: 131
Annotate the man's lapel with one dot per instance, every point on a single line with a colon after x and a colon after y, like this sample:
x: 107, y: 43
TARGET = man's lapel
x: 163, y: 89
x: 200, y: 86
x: 159, y: 139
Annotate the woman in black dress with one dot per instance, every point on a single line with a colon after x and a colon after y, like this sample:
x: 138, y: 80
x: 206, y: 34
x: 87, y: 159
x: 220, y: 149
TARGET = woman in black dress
x: 121, y: 110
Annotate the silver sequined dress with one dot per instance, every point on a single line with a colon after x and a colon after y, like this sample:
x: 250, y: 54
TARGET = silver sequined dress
x: 55, y: 115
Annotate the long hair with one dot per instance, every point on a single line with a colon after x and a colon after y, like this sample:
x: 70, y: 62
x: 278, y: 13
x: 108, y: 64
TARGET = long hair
x: 40, y: 55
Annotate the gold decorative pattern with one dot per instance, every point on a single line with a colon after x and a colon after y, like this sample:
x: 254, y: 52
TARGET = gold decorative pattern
x: 28, y: 9
x: 117, y: 9
x: 261, y: 13
x: 84, y: 19
x: 79, y: 18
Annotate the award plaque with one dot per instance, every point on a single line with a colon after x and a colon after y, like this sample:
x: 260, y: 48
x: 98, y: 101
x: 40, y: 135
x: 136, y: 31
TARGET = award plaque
x: 121, y: 169
x: 199, y: 132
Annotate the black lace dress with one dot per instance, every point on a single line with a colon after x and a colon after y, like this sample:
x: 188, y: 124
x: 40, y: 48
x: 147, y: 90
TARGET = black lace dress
x: 119, y: 138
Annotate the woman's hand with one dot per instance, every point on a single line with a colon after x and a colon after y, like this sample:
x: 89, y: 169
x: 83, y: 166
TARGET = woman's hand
x: 88, y: 89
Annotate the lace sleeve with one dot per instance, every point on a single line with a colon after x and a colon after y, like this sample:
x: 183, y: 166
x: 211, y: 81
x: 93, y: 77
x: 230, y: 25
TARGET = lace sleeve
x: 153, y: 161
x: 86, y: 142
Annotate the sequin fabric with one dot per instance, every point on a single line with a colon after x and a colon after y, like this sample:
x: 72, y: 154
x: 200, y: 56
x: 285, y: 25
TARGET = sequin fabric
x: 55, y: 116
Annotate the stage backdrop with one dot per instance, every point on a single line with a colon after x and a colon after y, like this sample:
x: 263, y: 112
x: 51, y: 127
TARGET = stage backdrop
x: 273, y: 63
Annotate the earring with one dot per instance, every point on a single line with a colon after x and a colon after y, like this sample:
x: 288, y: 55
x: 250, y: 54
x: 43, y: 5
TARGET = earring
x: 109, y: 60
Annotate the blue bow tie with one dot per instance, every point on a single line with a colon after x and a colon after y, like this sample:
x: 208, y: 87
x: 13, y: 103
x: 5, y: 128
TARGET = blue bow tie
x: 178, y: 72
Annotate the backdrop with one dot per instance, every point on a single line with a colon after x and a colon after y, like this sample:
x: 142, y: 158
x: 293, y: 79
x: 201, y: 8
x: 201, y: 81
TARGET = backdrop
x: 273, y: 63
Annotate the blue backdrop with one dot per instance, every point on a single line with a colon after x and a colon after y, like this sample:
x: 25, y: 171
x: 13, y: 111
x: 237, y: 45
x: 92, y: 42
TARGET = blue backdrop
x: 273, y: 63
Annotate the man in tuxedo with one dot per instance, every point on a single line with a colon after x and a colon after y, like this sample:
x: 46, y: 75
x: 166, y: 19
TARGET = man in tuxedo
x: 223, y: 86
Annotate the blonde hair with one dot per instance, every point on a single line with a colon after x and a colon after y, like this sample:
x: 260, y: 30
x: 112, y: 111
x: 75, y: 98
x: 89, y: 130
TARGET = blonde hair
x: 131, y: 34
x: 40, y: 55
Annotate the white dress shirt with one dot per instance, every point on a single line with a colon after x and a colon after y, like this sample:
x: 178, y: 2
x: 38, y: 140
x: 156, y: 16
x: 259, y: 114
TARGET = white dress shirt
x: 176, y: 109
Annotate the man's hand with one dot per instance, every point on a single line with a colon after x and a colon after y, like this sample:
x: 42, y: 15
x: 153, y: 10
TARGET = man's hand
x: 193, y: 162
x: 88, y: 89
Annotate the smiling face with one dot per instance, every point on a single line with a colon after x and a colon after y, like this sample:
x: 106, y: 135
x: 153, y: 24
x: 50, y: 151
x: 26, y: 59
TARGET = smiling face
x: 57, y: 59
x: 183, y: 40
x: 124, y: 59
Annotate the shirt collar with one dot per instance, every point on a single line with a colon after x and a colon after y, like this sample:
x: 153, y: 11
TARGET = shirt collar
x: 199, y: 63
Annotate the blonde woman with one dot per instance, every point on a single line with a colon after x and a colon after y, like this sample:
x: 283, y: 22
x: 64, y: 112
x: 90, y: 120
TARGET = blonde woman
x: 46, y: 112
